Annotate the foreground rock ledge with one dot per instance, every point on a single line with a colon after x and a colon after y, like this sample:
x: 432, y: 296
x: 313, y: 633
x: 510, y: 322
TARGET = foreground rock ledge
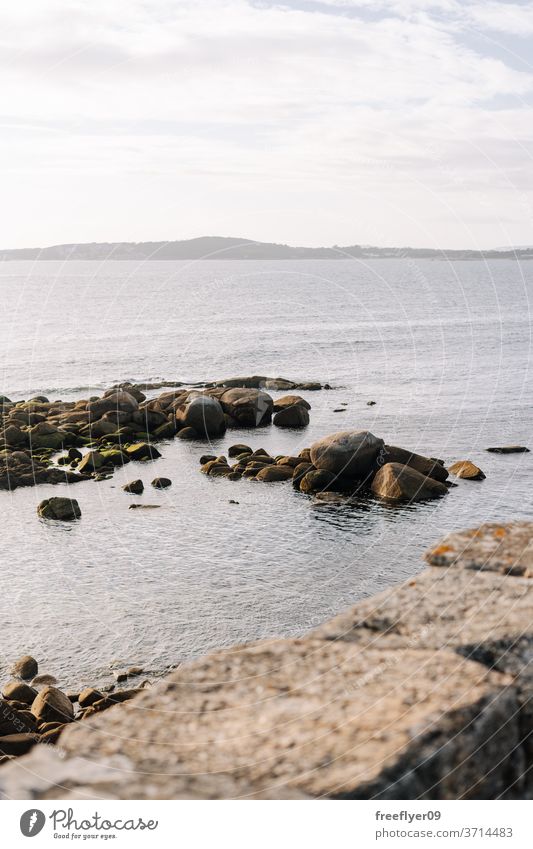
x: 420, y: 692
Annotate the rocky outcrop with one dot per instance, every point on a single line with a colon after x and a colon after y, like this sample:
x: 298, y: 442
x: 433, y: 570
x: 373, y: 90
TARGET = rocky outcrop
x: 422, y: 692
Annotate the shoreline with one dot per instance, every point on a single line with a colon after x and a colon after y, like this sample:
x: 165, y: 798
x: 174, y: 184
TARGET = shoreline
x: 420, y: 692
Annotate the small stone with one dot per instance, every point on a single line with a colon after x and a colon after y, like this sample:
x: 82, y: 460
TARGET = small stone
x: 135, y: 487
x: 135, y: 670
x: 120, y: 676
x: 26, y: 667
x: 232, y: 501
x: 509, y: 449
x: 161, y: 483
x: 144, y: 506
x: 370, y: 403
x: 467, y: 470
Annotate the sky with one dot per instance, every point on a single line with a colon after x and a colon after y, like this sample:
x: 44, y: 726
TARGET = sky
x: 309, y: 122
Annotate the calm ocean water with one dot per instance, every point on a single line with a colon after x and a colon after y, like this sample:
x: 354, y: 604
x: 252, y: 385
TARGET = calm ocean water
x: 444, y: 350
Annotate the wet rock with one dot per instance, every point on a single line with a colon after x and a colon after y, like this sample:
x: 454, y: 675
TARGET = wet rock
x: 248, y: 407
x: 206, y: 458
x: 17, y: 744
x: 467, y: 470
x: 370, y: 403
x: 294, y: 417
x: 120, y: 676
x: 305, y: 455
x: 91, y: 462
x: 115, y: 457
x: 239, y: 448
x: 290, y: 401
x: 318, y: 480
x: 89, y: 696
x: 13, y: 435
x: 144, y: 506
x: 101, y: 428
x: 395, y: 482
x: 142, y: 451
x: 349, y: 452
x: 26, y: 667
x: 165, y: 431
x: 188, y: 433
x: 135, y: 670
x: 509, y: 449
x: 45, y: 435
x: 61, y: 509
x: 274, y: 473
x: 425, y: 465
x: 300, y: 472
x: 115, y: 399
x: 52, y: 705
x: 161, y: 483
x: 204, y: 414
x: 135, y: 487
x: 20, y: 691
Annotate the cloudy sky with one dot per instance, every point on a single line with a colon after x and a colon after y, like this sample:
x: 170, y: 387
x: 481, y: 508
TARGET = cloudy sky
x: 389, y: 122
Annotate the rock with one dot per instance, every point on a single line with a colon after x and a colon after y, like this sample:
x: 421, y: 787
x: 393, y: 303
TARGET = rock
x: 61, y: 509
x: 289, y: 461
x: 89, y: 696
x: 290, y: 401
x: 204, y: 414
x: 26, y: 667
x: 206, y: 458
x: 117, y: 399
x: 52, y: 735
x: 120, y: 676
x: 295, y: 417
x: 135, y: 487
x: 370, y: 403
x: 235, y: 450
x: 161, y: 483
x: 165, y: 431
x: 91, y: 462
x: 349, y: 452
x: 52, y: 705
x: 115, y: 457
x: 274, y: 473
x: 45, y: 435
x: 509, y: 449
x: 101, y: 428
x: 188, y: 433
x: 425, y: 465
x: 135, y: 670
x: 19, y: 691
x: 17, y: 744
x: 340, y: 410
x: 318, y: 480
x: 300, y: 472
x: 44, y: 680
x: 249, y: 407
x: 142, y: 451
x: 144, y: 506
x: 468, y: 470
x: 13, y: 435
x: 395, y: 482
x: 305, y: 455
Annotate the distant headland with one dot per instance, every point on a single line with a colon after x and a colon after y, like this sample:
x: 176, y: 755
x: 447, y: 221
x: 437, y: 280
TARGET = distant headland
x: 220, y: 247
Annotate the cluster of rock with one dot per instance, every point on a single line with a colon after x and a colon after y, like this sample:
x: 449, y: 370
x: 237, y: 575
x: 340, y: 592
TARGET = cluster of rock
x: 347, y: 462
x: 33, y: 710
x: 122, y: 425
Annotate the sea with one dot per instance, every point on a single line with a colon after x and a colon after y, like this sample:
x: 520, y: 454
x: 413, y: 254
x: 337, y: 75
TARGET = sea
x: 444, y: 350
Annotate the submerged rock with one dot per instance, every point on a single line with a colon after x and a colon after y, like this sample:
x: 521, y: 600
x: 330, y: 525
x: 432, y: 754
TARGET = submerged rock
x: 161, y: 483
x: 135, y: 487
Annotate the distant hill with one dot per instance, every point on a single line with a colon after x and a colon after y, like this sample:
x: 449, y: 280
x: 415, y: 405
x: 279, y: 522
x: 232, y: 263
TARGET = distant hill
x: 219, y: 247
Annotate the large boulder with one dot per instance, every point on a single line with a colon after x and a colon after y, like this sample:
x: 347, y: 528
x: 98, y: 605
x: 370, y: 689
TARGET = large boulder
x: 349, y: 452
x: 204, y: 414
x: 63, y: 509
x: 295, y: 416
x: 52, y: 705
x: 248, y: 407
x: 395, y: 482
x: 424, y: 465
